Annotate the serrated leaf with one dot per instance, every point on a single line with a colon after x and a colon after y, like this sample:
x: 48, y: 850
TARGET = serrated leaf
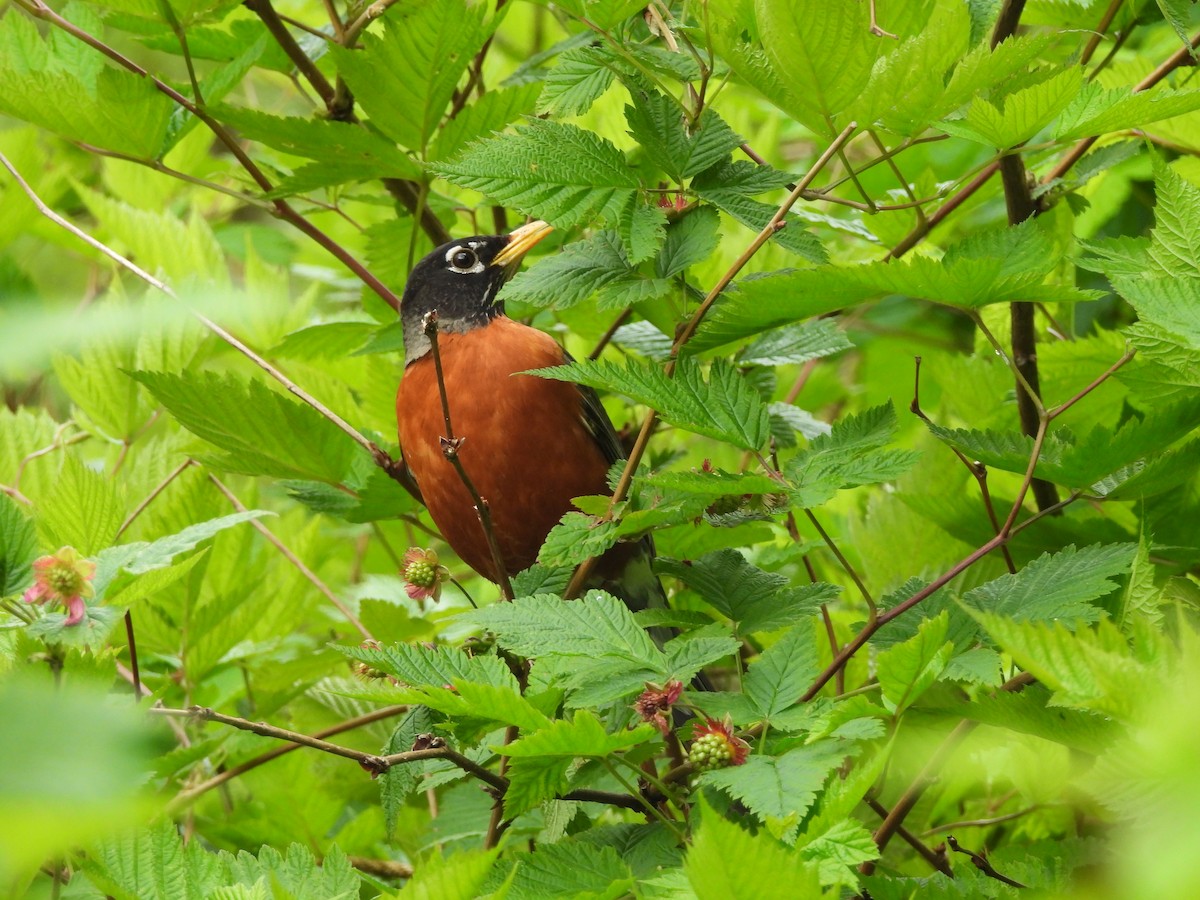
x: 690, y: 240
x: 405, y: 77
x: 597, y: 265
x: 1056, y: 586
x: 830, y: 55
x: 93, y: 103
x: 153, y: 864
x: 834, y: 850
x: 576, y: 82
x: 459, y: 876
x: 577, y: 537
x: 782, y: 787
x: 908, y: 669
x: 779, y: 676
x: 598, y: 625
x: 1097, y: 111
x: 726, y: 861
x: 437, y: 667
x: 569, y: 868
x: 795, y: 344
x: 487, y: 114
x: 18, y: 547
x: 325, y: 140
x: 756, y: 600
x: 261, y: 432
x: 725, y: 407
x: 660, y: 127
x: 851, y: 454
x: 549, y: 170
x: 642, y: 229
x: 1021, y: 114
x: 731, y: 186
x: 82, y: 511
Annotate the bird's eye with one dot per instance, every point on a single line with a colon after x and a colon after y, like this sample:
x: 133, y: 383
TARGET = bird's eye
x: 463, y: 260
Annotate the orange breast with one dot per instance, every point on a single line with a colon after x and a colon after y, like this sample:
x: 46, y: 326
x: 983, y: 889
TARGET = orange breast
x: 526, y: 448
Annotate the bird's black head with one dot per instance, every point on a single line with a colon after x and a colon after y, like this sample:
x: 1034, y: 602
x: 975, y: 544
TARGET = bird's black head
x: 460, y: 281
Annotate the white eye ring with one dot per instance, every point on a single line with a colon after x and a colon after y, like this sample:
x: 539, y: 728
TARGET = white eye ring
x: 464, y: 260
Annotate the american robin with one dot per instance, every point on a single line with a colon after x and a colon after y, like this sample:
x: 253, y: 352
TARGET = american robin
x: 529, y: 444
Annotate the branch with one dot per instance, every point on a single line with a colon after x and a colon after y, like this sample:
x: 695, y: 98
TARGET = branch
x: 304, y: 64
x: 685, y: 334
x: 381, y: 458
x: 38, y: 9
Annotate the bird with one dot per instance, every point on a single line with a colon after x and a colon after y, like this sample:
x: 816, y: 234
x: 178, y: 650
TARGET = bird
x: 529, y: 445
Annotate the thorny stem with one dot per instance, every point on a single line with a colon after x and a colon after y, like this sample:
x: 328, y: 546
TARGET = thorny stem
x: 982, y: 864
x: 451, y: 446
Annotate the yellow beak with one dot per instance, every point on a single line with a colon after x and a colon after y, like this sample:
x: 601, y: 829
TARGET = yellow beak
x: 521, y: 242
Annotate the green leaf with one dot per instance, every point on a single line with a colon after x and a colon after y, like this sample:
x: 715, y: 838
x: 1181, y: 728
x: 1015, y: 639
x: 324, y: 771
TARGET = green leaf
x: 657, y: 123
x: 296, y: 875
x: 577, y: 537
x: 757, y: 601
x: 489, y: 113
x: 598, y: 625
x: 538, y: 770
x: 1098, y: 111
x: 794, y: 344
x: 81, y: 99
x: 405, y: 77
x: 458, y: 876
x: 549, y: 170
x: 1178, y: 14
x: 908, y: 669
x: 439, y: 666
x: 851, y: 454
x: 690, y: 240
x: 726, y: 861
x: 730, y: 186
x: 642, y: 229
x: 576, y: 82
x: 1021, y: 114
x: 142, y: 556
x: 781, y: 788
x: 830, y: 55
x: 1056, y: 586
x: 776, y: 679
x: 155, y: 865
x: 835, y: 849
x: 324, y: 140
x: 261, y: 432
x: 82, y: 511
x: 18, y: 547
x: 597, y: 265
x: 570, y: 868
x: 725, y: 407
x: 996, y: 266
x: 1092, y: 669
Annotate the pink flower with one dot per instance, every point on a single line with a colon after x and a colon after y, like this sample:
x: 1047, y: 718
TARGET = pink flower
x: 655, y: 702
x: 423, y: 574
x: 715, y: 746
x: 63, y: 578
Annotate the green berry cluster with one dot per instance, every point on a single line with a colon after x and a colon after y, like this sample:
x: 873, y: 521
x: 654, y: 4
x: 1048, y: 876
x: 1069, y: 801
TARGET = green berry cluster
x: 421, y: 574
x: 710, y: 751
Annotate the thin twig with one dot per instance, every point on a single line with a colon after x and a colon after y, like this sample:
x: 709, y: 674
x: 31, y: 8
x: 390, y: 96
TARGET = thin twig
x: 685, y: 334
x: 934, y: 858
x: 1098, y: 34
x: 982, y: 864
x: 391, y: 466
x: 983, y: 823
x: 451, y: 446
x: 304, y: 64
